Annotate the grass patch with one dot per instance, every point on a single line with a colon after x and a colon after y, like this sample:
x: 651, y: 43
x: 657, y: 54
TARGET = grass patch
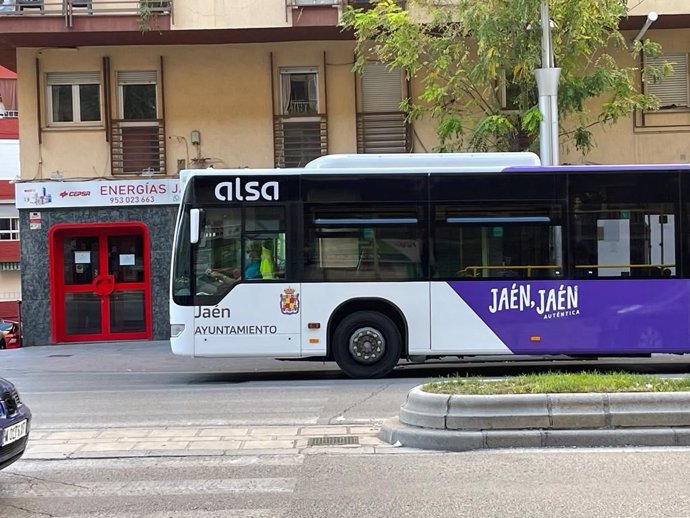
x: 559, y: 382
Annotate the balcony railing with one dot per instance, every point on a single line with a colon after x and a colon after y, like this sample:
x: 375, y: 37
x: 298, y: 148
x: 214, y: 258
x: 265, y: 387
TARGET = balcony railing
x: 297, y: 142
x: 70, y: 8
x: 137, y: 148
x: 302, y: 107
x: 357, y: 4
x: 383, y: 132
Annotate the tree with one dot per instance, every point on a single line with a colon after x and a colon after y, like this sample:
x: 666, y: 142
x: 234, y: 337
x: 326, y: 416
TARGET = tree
x: 467, y: 53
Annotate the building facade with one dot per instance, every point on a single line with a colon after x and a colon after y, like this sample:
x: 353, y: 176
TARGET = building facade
x: 117, y: 96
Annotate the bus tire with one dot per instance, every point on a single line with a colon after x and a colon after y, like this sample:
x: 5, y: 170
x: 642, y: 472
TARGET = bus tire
x: 367, y: 344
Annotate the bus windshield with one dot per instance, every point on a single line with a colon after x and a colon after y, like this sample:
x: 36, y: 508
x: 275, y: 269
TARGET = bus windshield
x: 234, y: 245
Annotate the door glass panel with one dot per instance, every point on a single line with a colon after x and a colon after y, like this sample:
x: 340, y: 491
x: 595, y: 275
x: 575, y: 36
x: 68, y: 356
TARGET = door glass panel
x: 80, y: 259
x: 127, y: 312
x: 82, y: 313
x: 126, y: 258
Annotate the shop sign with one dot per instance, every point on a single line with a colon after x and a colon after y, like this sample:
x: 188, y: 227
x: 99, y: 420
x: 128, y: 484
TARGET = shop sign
x: 104, y: 193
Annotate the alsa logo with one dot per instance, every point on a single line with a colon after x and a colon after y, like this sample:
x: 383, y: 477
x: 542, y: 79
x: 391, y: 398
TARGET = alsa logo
x: 249, y: 191
x: 74, y: 194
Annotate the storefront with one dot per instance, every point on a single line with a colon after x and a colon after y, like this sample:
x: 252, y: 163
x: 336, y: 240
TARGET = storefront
x: 95, y: 259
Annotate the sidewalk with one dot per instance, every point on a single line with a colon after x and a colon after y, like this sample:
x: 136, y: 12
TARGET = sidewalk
x: 198, y: 441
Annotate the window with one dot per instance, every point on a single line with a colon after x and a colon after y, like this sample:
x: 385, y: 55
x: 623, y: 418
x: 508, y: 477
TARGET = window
x: 355, y: 244
x: 9, y: 229
x: 512, y: 97
x: 513, y: 242
x: 299, y: 91
x: 138, y: 138
x: 138, y: 95
x: 381, y: 125
x: 300, y: 131
x: 235, y: 245
x: 73, y: 98
x: 624, y: 225
x: 671, y: 90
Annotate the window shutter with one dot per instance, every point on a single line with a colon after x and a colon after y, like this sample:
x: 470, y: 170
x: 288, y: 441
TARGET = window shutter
x: 671, y: 90
x: 381, y: 88
x: 73, y: 78
x: 139, y: 77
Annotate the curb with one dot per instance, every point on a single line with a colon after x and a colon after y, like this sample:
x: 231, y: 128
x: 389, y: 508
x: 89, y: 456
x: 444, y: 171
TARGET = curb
x: 394, y: 432
x: 471, y: 422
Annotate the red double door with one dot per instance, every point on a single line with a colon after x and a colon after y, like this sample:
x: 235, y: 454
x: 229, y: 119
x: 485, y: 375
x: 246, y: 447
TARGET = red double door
x: 100, y: 282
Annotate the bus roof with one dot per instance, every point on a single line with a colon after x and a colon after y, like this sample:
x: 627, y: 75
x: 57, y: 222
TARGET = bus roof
x: 425, y: 163
x: 394, y: 160
x: 597, y: 168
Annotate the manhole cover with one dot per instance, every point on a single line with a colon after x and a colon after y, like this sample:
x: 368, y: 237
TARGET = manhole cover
x: 59, y: 355
x: 333, y: 441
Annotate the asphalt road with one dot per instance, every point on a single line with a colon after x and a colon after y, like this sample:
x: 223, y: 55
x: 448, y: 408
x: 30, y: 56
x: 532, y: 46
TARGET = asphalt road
x: 142, y: 384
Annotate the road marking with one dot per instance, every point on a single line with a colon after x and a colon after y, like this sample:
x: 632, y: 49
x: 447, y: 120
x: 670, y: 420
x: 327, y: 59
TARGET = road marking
x: 29, y: 466
x: 17, y: 488
x: 225, y: 513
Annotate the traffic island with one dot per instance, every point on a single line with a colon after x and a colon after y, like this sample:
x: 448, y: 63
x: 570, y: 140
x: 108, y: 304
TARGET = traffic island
x: 470, y: 422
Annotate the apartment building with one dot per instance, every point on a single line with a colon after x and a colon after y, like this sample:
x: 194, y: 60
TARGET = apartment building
x: 10, y: 277
x: 116, y: 96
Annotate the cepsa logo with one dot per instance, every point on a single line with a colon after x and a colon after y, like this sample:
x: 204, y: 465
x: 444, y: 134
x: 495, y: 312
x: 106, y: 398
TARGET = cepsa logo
x: 74, y: 194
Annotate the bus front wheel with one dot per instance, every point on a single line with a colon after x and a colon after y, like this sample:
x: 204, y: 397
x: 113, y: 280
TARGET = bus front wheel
x: 367, y: 344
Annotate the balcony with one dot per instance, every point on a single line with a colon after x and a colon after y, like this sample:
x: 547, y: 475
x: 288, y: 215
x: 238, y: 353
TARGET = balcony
x: 68, y: 10
x: 137, y: 148
x: 383, y: 132
x: 298, y: 140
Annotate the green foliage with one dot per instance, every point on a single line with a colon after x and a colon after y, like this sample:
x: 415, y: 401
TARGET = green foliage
x: 467, y: 50
x: 148, y: 10
x: 559, y: 382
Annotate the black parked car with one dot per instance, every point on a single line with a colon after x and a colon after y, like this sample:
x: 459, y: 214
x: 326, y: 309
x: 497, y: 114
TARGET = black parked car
x: 15, y: 421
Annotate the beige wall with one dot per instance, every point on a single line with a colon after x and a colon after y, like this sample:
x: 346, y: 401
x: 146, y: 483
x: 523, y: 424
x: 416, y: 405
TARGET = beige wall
x: 627, y: 142
x: 214, y: 14
x: 638, y: 8
x: 223, y: 91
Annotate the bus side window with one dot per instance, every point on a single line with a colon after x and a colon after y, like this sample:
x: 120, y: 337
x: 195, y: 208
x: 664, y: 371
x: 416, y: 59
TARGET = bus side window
x: 624, y: 225
x: 506, y: 242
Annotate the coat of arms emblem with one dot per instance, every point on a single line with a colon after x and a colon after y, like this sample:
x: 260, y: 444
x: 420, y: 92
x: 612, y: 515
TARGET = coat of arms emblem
x: 289, y: 302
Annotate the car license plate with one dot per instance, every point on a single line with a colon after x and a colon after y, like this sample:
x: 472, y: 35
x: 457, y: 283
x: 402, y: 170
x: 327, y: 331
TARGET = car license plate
x: 14, y: 432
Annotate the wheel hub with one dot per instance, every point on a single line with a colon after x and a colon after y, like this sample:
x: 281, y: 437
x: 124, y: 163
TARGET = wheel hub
x: 367, y: 345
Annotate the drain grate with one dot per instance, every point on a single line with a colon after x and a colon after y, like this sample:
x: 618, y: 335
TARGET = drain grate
x: 333, y: 441
x: 59, y: 355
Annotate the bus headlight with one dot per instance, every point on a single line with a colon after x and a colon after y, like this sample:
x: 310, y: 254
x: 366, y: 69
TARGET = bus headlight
x: 176, y: 330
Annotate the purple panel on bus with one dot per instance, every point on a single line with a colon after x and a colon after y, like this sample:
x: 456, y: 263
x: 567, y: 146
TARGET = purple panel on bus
x: 584, y: 317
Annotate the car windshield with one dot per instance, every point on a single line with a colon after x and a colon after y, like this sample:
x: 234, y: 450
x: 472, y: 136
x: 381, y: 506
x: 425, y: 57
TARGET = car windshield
x: 5, y: 326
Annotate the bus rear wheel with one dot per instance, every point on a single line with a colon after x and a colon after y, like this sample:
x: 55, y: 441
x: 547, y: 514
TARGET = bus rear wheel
x: 367, y: 344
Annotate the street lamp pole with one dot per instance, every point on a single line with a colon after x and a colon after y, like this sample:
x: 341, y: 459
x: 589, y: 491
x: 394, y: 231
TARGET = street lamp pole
x: 547, y: 85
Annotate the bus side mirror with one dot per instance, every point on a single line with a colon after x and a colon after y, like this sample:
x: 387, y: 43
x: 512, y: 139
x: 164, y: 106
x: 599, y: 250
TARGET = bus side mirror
x: 194, y: 218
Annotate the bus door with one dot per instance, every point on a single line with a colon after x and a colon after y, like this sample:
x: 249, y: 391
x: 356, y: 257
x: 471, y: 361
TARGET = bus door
x: 243, y: 306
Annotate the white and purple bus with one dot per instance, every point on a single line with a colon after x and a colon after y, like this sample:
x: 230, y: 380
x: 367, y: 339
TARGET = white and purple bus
x: 370, y: 259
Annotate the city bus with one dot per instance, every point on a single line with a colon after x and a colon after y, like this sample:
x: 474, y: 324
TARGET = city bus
x: 367, y: 260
